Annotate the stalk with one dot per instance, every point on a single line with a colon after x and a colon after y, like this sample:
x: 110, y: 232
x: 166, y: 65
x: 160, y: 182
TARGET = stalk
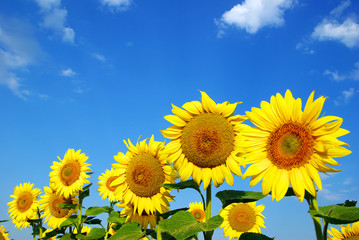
x: 208, y: 235
x: 108, y: 224
x: 313, y: 205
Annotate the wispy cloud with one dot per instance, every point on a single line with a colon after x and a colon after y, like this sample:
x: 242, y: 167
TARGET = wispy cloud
x: 330, y: 195
x: 331, y: 29
x: 54, y: 18
x: 351, y: 75
x: 346, y: 96
x: 118, y: 5
x: 253, y: 15
x: 334, y: 75
x: 68, y: 72
x: 99, y: 57
x: 18, y: 50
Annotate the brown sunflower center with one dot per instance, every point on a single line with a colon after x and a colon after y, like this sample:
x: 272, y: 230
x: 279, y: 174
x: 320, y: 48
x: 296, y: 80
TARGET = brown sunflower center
x: 208, y: 140
x: 108, y: 184
x: 70, y: 173
x: 355, y: 237
x: 24, y: 201
x: 242, y: 218
x: 2, y: 236
x: 55, y: 209
x: 199, y: 214
x: 290, y: 145
x: 145, y: 175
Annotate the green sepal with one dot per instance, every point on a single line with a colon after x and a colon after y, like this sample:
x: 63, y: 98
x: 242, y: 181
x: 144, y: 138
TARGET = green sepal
x: 128, y: 231
x: 183, y: 225
x: 232, y: 196
x: 254, y: 236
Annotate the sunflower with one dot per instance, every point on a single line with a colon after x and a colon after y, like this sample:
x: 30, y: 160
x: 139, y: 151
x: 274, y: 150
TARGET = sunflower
x: 240, y: 218
x: 53, y: 213
x: 290, y: 146
x: 347, y: 232
x: 144, y: 219
x: 69, y: 175
x: 25, y: 204
x: 204, y: 141
x: 3, y: 234
x: 85, y: 230
x: 197, y: 210
x: 142, y: 171
x: 105, y: 189
x: 20, y: 224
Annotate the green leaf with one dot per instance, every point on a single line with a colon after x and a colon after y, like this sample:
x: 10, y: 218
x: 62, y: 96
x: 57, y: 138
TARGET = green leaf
x: 53, y: 233
x: 95, y: 233
x: 115, y: 218
x: 231, y: 196
x: 93, y: 211
x: 348, y: 203
x: 170, y: 213
x: 67, y: 236
x: 80, y: 236
x: 183, y: 185
x: 337, y: 214
x: 1, y: 221
x: 93, y: 221
x: 87, y: 187
x: 129, y: 231
x: 69, y: 222
x: 254, y: 236
x: 67, y: 206
x: 290, y: 193
x: 183, y: 225
x: 84, y: 194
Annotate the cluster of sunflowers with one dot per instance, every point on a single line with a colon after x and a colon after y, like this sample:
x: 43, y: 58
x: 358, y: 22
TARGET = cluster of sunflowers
x: 286, y: 149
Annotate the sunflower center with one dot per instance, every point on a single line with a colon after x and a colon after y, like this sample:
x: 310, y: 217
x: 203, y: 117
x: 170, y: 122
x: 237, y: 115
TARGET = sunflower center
x: 24, y: 201
x: 290, y: 146
x: 207, y: 140
x: 1, y: 236
x: 108, y: 184
x: 356, y: 237
x: 198, y: 214
x: 70, y: 173
x: 242, y: 218
x: 56, y: 210
x: 145, y: 175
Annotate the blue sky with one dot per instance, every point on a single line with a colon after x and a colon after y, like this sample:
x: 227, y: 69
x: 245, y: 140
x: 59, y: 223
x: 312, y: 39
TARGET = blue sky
x: 88, y: 74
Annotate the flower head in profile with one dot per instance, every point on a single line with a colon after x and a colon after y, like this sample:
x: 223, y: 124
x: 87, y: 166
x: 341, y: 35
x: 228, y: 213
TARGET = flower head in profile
x: 197, y: 210
x: 70, y: 174
x: 24, y: 204
x: 3, y: 235
x: 106, y: 190
x: 144, y: 219
x: 204, y: 141
x: 142, y: 171
x: 54, y: 215
x: 290, y: 146
x: 242, y: 217
x: 347, y: 232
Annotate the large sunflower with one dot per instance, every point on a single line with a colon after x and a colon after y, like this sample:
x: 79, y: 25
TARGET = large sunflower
x: 197, y: 210
x: 347, y: 232
x: 69, y: 175
x: 141, y: 172
x: 53, y: 213
x: 3, y: 234
x: 106, y: 190
x: 204, y: 141
x: 25, y: 204
x: 290, y: 146
x: 240, y: 218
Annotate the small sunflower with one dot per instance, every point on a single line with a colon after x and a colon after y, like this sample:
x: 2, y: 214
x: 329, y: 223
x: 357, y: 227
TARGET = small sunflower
x: 242, y: 217
x: 204, y: 141
x: 3, y: 234
x: 142, y: 171
x: 25, y: 204
x: 20, y: 224
x: 69, y: 175
x: 347, y: 232
x: 289, y: 146
x: 53, y: 213
x: 144, y: 219
x: 106, y: 190
x: 85, y: 230
x: 197, y: 210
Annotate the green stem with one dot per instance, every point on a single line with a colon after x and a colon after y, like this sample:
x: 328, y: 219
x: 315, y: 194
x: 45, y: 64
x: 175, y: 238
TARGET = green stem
x: 79, y: 223
x: 108, y: 224
x: 313, y: 205
x: 325, y: 230
x: 208, y: 235
x: 158, y: 229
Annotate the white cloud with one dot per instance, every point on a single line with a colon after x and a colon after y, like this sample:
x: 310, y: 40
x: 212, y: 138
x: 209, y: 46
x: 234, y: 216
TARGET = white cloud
x: 347, y: 181
x: 331, y: 196
x: 18, y: 51
x: 121, y: 5
x: 334, y: 75
x: 99, y: 57
x: 253, y: 15
x: 54, y: 18
x: 68, y: 72
x: 348, y: 94
x: 355, y: 72
x: 304, y: 46
x: 351, y: 75
x: 330, y: 29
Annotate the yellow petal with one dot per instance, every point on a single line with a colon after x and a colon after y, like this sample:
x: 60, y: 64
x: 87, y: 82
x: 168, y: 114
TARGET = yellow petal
x: 313, y: 173
x: 281, y: 184
x: 268, y: 180
x: 207, y: 176
x: 183, y: 114
x: 208, y: 104
x: 175, y: 120
x: 296, y: 180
